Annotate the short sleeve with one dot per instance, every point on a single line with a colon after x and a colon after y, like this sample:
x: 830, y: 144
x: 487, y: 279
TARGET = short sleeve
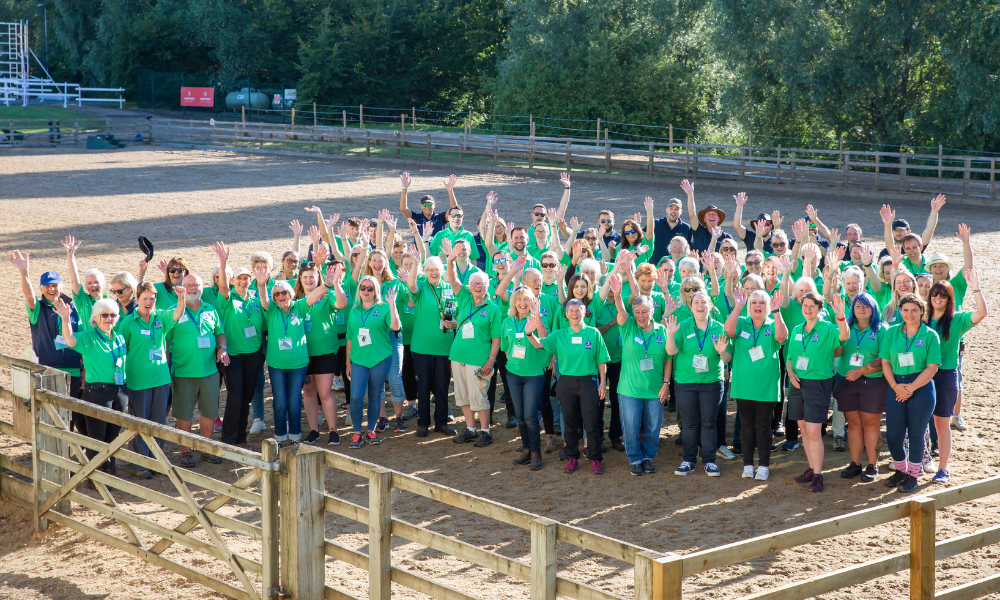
x: 678, y: 340
x: 217, y: 321
x: 550, y: 343
x: 602, y: 350
x: 496, y: 323
x: 33, y: 312
x: 964, y: 322
x: 934, y: 350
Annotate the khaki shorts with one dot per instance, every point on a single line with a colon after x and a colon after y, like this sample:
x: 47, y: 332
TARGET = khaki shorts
x: 189, y: 391
x: 468, y: 392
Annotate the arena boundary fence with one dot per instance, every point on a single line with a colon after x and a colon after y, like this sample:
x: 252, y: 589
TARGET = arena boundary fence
x: 72, y: 133
x: 293, y: 505
x: 973, y: 177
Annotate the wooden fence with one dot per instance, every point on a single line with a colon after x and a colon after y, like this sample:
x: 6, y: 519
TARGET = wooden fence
x: 293, y: 504
x: 71, y: 133
x: 955, y: 175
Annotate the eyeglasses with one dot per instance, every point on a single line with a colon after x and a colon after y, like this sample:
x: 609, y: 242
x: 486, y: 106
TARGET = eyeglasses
x: 176, y: 270
x: 118, y: 292
x: 538, y: 214
x: 476, y: 284
x: 548, y: 265
x: 631, y: 232
x: 753, y: 263
x: 108, y: 315
x: 366, y: 288
x: 290, y: 261
x: 499, y: 261
x: 590, y: 239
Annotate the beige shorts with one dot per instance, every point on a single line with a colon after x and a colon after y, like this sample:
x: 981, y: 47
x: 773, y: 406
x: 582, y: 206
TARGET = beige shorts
x: 468, y: 391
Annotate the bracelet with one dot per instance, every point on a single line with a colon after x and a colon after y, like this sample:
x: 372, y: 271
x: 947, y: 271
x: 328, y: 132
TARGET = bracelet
x: 841, y: 319
x: 977, y: 291
x: 666, y: 383
x: 777, y: 310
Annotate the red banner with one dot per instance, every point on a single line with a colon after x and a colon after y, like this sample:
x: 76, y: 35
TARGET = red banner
x: 198, y: 96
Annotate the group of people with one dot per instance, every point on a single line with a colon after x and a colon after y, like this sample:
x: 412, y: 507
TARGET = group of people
x: 657, y: 314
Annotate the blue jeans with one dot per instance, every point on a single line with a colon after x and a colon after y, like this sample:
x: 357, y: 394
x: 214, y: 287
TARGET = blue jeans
x: 286, y: 385
x: 914, y: 414
x: 526, y: 392
x: 371, y: 381
x: 395, y: 373
x: 640, y: 416
x: 257, y: 404
x: 698, y: 404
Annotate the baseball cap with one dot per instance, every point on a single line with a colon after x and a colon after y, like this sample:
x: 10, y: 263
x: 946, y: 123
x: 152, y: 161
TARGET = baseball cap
x: 763, y: 217
x: 242, y: 271
x: 674, y: 202
x: 900, y: 224
x: 146, y: 247
x: 50, y: 277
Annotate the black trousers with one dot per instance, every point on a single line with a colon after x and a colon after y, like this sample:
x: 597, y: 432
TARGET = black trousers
x: 109, y: 396
x: 433, y: 375
x: 409, y: 375
x: 241, y: 382
x: 614, y: 371
x: 548, y: 415
x: 77, y: 422
x: 755, y: 421
x: 780, y: 406
x: 500, y: 368
x: 342, y: 366
x: 581, y: 407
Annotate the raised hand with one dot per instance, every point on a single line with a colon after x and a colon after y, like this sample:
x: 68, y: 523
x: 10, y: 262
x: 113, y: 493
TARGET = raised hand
x: 564, y: 179
x: 428, y: 231
x: 786, y: 265
x: 70, y: 244
x: 615, y: 283
x: 319, y: 253
x: 834, y: 236
x: 553, y: 215
x: 938, y: 202
x: 663, y: 277
x: 333, y: 220
x: 896, y: 253
x: 739, y: 298
x: 838, y: 306
x: 964, y: 232
x: 647, y: 203
x: 296, y: 227
x: 972, y: 278
x: 261, y: 274
x: 670, y: 304
x: 390, y: 220
x: 809, y: 252
x: 509, y: 228
x: 637, y: 217
x: 313, y: 209
x: 414, y: 253
x: 413, y: 227
x: 221, y: 251
x: 687, y: 186
x: 867, y: 253
x: 532, y: 325
x: 343, y: 231
x: 888, y: 215
x: 163, y: 267
x: 716, y: 232
x: 447, y: 248
x: 519, y: 263
x: 721, y: 343
x: 491, y: 199
x: 730, y: 267
x: 405, y: 180
x: 777, y: 219
x: 799, y: 229
x: 740, y: 198
x: 813, y: 215
x: 20, y: 261
x: 575, y: 224
x: 62, y: 309
x: 776, y: 299
x: 758, y: 226
x: 840, y: 251
x: 449, y: 182
x: 182, y: 293
x: 560, y: 272
x: 671, y: 324
x: 390, y: 295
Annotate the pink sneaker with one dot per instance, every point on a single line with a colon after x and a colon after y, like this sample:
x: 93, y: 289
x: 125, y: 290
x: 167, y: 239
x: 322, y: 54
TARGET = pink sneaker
x: 571, y: 465
x: 596, y: 468
x: 218, y: 425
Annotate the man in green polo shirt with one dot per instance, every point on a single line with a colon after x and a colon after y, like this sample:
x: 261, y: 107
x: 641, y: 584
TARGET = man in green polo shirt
x: 454, y: 232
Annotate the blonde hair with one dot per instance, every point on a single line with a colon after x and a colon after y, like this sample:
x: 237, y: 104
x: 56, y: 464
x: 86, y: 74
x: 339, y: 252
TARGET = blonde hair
x: 761, y: 294
x: 378, y: 290
x: 262, y: 257
x: 889, y: 312
x: 386, y: 271
x: 515, y: 296
x: 127, y: 279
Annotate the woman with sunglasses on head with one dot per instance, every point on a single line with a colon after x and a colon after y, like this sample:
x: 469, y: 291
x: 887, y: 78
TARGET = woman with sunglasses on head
x: 287, y: 350
x: 371, y: 324
x: 950, y: 326
x: 146, y: 370
x: 910, y: 357
x: 87, y: 292
x: 174, y: 272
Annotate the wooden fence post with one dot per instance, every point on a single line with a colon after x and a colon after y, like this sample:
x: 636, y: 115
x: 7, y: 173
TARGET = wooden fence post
x: 777, y: 165
x: 694, y: 163
x: 670, y: 138
x: 413, y: 121
x: 58, y: 382
x: 940, y: 153
x: 667, y: 577
x: 902, y: 172
x: 649, y: 167
x: 792, y: 176
x: 496, y: 150
x: 569, y: 155
x: 429, y: 145
x: 368, y: 144
x: 260, y: 135
x: 847, y: 166
x: 379, y: 534
x: 922, y: 528
x: 345, y: 121
x: 543, y: 559
x: 243, y: 113
x: 965, y: 176
x: 315, y: 123
x: 993, y: 171
x: 743, y: 168
x: 644, y: 575
x: 76, y: 131
x: 361, y: 116
x: 878, y: 158
x: 269, y: 520
x: 531, y: 145
x: 750, y: 143
x: 302, y: 514
x: 607, y: 152
x: 293, y: 122
x: 687, y: 151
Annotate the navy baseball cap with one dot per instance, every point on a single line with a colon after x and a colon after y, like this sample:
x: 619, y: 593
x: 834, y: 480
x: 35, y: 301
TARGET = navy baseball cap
x: 900, y: 224
x: 50, y: 277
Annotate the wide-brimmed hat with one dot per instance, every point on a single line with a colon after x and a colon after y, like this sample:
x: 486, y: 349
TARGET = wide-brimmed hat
x: 711, y: 207
x: 938, y: 258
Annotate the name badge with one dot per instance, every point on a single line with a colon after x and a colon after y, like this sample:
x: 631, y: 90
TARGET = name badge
x: 518, y: 335
x: 308, y: 326
x: 519, y: 351
x: 183, y: 319
x: 577, y: 340
x: 119, y: 378
x: 156, y: 355
x: 249, y: 332
x: 468, y: 331
x: 689, y: 336
x: 638, y: 340
x: 295, y: 320
x: 364, y: 337
x: 237, y: 304
x: 906, y: 359
x: 745, y: 335
x: 61, y: 343
x: 700, y: 363
x: 798, y: 337
x: 204, y: 341
x: 447, y: 293
x: 756, y: 353
x: 144, y: 332
x: 619, y: 341
x: 646, y: 364
x: 284, y: 343
x: 340, y: 318
x: 857, y: 360
x: 409, y: 310
x: 802, y: 363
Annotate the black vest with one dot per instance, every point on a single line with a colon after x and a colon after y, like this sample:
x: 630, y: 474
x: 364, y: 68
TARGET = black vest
x: 44, y: 332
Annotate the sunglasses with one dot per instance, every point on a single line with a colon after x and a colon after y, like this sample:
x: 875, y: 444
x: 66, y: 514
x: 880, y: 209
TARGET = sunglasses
x: 778, y: 245
x: 729, y: 251
x: 458, y: 215
x: 539, y: 214
x: 689, y: 290
x: 499, y: 261
x: 426, y: 204
x: 753, y: 263
x: 548, y: 265
x: 607, y: 220
x: 108, y: 315
x: 366, y: 288
x: 279, y: 294
x: 176, y: 270
x: 590, y: 239
x: 939, y: 295
x: 631, y: 232
x: 118, y: 292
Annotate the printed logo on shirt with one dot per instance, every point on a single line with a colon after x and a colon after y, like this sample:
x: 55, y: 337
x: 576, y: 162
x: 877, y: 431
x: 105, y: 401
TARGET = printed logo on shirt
x: 767, y: 332
x: 815, y: 337
x: 375, y: 314
x: 659, y: 340
x: 158, y: 324
x: 715, y: 337
x: 588, y: 346
x: 544, y: 312
x: 872, y: 336
x: 482, y: 313
x: 920, y: 343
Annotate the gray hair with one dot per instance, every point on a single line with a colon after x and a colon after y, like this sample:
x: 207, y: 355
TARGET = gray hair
x: 280, y: 285
x: 101, y: 306
x: 574, y: 302
x: 432, y: 262
x: 97, y: 273
x: 688, y: 263
x: 644, y: 301
x: 853, y: 271
x: 262, y: 257
x: 480, y: 275
x: 589, y: 264
x: 756, y: 279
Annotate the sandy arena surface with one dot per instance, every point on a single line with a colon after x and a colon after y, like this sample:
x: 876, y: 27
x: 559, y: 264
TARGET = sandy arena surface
x: 186, y: 200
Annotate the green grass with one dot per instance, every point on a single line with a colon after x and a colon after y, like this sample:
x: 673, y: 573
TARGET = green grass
x: 37, y: 112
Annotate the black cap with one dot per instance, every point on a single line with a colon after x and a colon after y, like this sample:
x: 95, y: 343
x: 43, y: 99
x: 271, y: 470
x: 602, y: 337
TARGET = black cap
x: 146, y: 247
x: 764, y: 217
x: 900, y: 224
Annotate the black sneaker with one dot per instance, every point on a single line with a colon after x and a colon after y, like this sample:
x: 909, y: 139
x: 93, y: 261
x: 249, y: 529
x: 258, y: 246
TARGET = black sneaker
x: 511, y: 422
x: 382, y: 424
x: 421, y: 432
x: 484, y: 439
x: 870, y: 474
x: 737, y: 448
x: 563, y: 453
x: 334, y: 439
x: 678, y: 441
x: 838, y: 444
x: 647, y: 466
x: 618, y: 445
x: 357, y: 440
x: 852, y: 471
x: 895, y: 479
x: 187, y: 460
x: 215, y: 460
x: 465, y: 437
x: 636, y: 470
x: 444, y: 429
x: 934, y: 450
x: 908, y: 486
x: 312, y: 437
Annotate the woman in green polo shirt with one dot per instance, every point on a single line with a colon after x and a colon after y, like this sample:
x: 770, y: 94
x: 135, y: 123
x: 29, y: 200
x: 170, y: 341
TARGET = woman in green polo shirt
x: 756, y: 384
x: 526, y: 373
x: 88, y: 291
x: 860, y: 386
x: 146, y: 369
x: 287, y: 350
x: 810, y: 366
x: 174, y: 272
x: 910, y: 357
x: 103, y: 353
x: 580, y: 288
x: 699, y: 348
x: 581, y: 354
x: 950, y: 326
x: 370, y: 326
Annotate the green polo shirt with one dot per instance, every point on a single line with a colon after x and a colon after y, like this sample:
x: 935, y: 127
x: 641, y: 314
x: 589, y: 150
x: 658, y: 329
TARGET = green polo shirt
x: 817, y: 345
x: 463, y: 276
x: 428, y: 337
x: 102, y: 356
x: 548, y: 308
x: 961, y: 323
x: 589, y: 318
x: 351, y: 291
x: 472, y: 344
x: 916, y: 269
x: 760, y: 379
x: 961, y: 287
x: 550, y: 289
x: 187, y: 358
x: 641, y: 379
x: 925, y: 346
x: 286, y: 335
x: 146, y: 362
x: 368, y: 351
x: 692, y: 342
x: 243, y: 322
x: 866, y: 343
x: 211, y: 295
x: 165, y: 298
x: 612, y: 337
x: 85, y: 308
x: 321, y: 326
x: 448, y: 234
x: 523, y: 359
x: 578, y: 352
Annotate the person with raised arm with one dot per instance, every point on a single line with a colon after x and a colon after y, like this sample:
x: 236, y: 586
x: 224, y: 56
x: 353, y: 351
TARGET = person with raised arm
x: 633, y: 238
x: 526, y: 372
x: 147, y: 372
x: 87, y: 292
x: 453, y: 234
x: 950, y: 326
x: 290, y: 259
x: 810, y: 367
x: 667, y: 228
x: 896, y: 229
x: 438, y: 220
x: 174, y: 271
x: 761, y: 228
x: 704, y: 222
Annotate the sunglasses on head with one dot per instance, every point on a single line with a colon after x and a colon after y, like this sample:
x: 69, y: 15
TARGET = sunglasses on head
x: 366, y: 288
x: 176, y: 270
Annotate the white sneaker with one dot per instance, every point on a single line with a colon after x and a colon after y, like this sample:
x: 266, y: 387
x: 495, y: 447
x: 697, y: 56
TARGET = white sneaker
x: 747, y: 471
x: 762, y: 473
x: 257, y: 426
x: 725, y: 452
x: 957, y: 422
x: 338, y: 384
x: 929, y: 467
x: 780, y: 429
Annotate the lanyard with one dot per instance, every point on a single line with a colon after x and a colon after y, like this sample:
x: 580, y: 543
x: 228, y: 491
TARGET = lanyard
x: 908, y: 342
x: 150, y: 324
x: 437, y: 297
x: 461, y: 273
x: 366, y: 313
x: 858, y: 337
x: 473, y: 311
x: 521, y: 328
x: 805, y: 338
x: 284, y: 319
x: 757, y: 332
x: 701, y: 340
x: 648, y: 338
x: 115, y: 355
x: 193, y: 318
